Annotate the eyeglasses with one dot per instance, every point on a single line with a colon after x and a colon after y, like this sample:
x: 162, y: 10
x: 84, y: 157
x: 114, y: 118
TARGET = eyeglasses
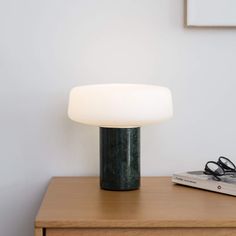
x: 223, y: 166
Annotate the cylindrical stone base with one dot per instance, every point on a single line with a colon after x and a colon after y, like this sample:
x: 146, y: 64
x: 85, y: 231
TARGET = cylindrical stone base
x: 120, y: 158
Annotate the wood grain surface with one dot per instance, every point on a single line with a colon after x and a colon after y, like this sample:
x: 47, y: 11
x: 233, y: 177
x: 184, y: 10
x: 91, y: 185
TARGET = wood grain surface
x: 78, y: 202
x: 38, y: 232
x: 144, y: 232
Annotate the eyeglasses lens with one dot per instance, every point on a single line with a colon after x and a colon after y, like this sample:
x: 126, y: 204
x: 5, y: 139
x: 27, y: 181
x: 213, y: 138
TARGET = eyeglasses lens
x: 227, y: 162
x: 215, y: 168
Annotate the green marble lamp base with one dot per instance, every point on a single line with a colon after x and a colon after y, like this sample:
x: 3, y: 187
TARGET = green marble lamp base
x: 119, y: 158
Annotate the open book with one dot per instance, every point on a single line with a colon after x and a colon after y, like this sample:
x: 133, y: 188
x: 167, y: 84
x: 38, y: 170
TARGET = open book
x: 198, y: 179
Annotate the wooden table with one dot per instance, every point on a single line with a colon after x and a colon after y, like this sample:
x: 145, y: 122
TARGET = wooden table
x: 76, y: 206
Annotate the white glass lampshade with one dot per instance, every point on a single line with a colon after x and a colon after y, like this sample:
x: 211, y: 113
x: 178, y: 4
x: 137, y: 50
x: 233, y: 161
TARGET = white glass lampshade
x: 120, y: 105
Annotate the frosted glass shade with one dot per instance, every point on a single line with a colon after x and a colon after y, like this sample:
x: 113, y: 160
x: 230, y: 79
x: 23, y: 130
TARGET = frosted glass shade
x: 120, y: 105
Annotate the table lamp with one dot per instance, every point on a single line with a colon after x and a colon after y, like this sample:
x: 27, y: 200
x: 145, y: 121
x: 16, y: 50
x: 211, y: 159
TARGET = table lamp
x: 120, y: 110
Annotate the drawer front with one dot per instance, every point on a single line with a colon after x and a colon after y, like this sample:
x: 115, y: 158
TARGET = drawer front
x: 144, y: 232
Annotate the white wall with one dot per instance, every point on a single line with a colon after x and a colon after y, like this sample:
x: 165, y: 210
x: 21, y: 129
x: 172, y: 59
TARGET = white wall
x: 49, y: 46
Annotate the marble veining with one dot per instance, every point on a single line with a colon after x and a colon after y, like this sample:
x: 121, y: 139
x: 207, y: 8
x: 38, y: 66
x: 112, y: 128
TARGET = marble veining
x: 120, y: 158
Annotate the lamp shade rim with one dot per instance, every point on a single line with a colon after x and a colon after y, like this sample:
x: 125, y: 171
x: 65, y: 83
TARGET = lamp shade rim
x: 107, y: 85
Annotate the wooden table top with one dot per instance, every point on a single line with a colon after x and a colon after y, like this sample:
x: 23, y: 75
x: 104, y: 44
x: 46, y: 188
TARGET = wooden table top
x: 79, y: 202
